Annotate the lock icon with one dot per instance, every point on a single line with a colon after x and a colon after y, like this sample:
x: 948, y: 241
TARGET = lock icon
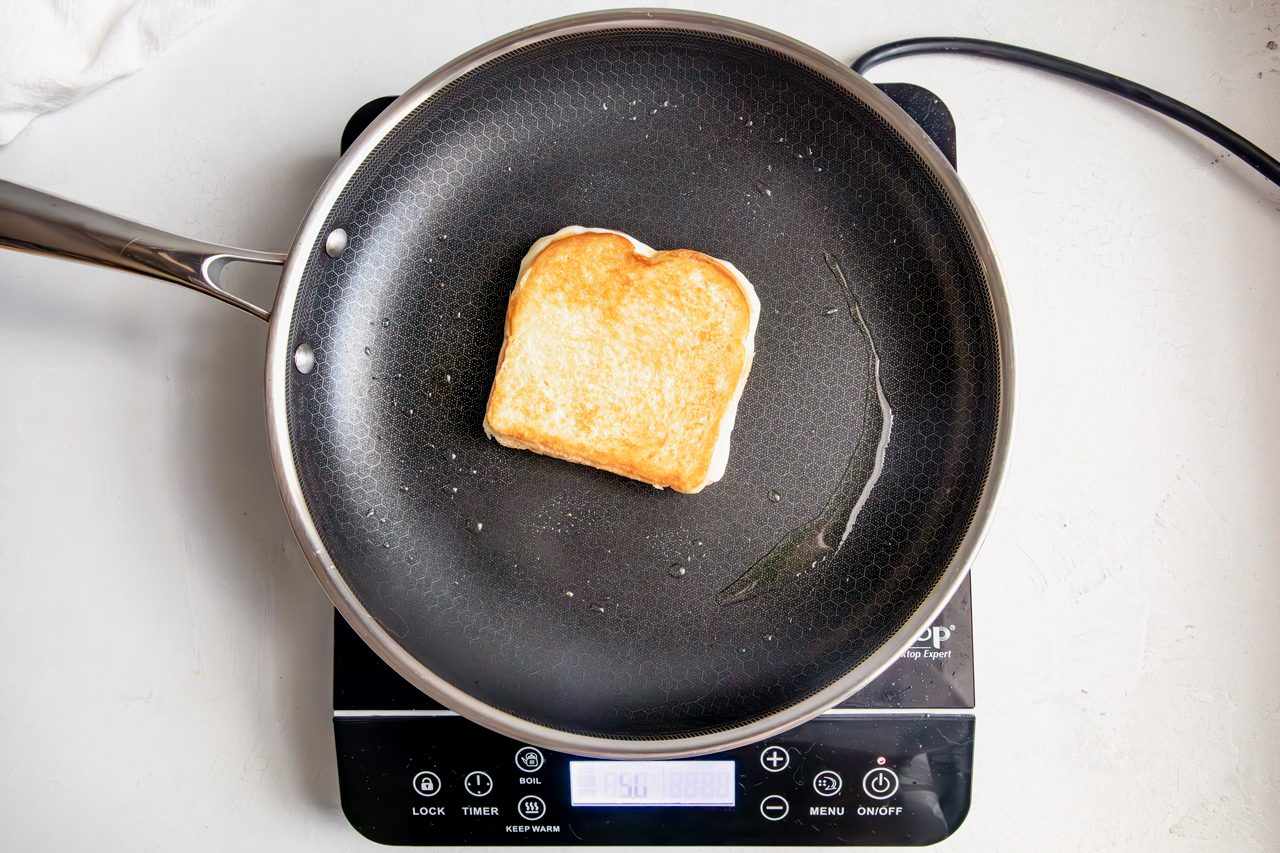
x: 426, y: 784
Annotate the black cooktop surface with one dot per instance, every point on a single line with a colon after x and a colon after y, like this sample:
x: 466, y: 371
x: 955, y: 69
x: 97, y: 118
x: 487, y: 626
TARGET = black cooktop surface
x: 890, y: 766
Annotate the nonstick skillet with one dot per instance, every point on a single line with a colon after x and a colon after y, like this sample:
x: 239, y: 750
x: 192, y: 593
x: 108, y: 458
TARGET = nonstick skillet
x: 565, y: 606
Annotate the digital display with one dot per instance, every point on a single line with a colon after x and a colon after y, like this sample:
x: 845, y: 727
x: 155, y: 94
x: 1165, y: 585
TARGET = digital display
x: 652, y: 783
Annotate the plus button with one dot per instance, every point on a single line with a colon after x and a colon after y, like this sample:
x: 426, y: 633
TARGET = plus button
x: 775, y: 759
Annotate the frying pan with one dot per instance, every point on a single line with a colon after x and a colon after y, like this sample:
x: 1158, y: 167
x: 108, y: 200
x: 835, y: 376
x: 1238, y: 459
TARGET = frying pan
x: 562, y: 605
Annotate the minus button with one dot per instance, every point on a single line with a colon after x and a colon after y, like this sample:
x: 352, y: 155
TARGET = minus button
x: 774, y: 807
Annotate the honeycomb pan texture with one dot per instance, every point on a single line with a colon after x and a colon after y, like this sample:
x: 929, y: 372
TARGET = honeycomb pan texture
x: 546, y: 589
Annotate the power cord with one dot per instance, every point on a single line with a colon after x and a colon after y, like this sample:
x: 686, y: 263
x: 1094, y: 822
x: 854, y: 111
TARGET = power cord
x: 1211, y: 128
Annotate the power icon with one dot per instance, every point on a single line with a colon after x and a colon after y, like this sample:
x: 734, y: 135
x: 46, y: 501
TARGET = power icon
x: 880, y: 783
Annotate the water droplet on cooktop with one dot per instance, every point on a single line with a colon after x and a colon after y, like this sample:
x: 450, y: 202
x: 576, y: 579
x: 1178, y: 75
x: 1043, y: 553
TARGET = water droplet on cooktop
x: 452, y: 456
x: 775, y: 495
x: 768, y: 638
x: 450, y: 490
x: 368, y: 351
x: 676, y: 570
x: 448, y: 377
x: 568, y: 593
x: 475, y: 526
x: 404, y: 489
x: 386, y: 321
x: 828, y: 312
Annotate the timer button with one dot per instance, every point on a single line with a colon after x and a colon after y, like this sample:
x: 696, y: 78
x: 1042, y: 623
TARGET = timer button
x: 478, y: 783
x: 775, y: 759
x: 774, y: 807
x: 529, y: 759
x: 880, y: 783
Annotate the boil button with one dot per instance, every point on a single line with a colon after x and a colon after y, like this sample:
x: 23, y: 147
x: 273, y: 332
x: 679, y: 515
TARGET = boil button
x: 529, y: 759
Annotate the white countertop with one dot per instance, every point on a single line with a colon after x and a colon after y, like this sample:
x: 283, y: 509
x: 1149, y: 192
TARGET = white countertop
x: 165, y: 683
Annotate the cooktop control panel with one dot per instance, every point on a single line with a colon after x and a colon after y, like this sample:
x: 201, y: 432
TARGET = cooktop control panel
x: 845, y: 778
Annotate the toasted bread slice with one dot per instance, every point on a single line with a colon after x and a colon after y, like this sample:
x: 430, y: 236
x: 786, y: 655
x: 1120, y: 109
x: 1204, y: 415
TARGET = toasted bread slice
x: 624, y: 358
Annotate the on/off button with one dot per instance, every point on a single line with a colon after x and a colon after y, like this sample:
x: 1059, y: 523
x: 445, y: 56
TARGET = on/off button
x: 880, y: 783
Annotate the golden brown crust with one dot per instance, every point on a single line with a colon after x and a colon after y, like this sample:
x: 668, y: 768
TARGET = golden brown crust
x: 623, y: 362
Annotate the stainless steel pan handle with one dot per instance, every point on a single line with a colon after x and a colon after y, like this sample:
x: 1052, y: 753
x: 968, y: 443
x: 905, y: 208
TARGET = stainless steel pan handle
x: 44, y: 224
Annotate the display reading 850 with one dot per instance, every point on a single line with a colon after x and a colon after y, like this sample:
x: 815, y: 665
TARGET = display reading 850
x: 652, y: 783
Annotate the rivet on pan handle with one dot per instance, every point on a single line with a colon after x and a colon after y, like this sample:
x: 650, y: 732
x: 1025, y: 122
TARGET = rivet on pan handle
x: 44, y: 224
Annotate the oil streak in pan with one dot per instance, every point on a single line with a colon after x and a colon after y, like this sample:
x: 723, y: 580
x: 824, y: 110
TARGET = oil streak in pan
x: 812, y: 544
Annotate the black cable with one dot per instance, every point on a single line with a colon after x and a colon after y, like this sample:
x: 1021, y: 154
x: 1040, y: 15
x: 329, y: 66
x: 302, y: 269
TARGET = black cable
x: 1215, y: 130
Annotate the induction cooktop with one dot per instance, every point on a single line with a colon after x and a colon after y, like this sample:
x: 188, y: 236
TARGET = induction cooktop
x: 890, y: 766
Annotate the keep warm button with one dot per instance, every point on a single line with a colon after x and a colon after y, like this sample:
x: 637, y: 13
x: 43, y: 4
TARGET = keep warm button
x: 532, y: 808
x: 880, y: 783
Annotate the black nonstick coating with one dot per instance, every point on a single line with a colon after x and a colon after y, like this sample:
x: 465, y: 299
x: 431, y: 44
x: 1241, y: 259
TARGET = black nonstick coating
x: 554, y: 591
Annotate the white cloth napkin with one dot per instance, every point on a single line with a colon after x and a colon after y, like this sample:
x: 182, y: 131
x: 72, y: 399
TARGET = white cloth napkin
x: 54, y: 51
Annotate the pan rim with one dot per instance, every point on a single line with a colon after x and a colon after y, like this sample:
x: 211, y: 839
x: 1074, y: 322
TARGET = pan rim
x: 360, y: 618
